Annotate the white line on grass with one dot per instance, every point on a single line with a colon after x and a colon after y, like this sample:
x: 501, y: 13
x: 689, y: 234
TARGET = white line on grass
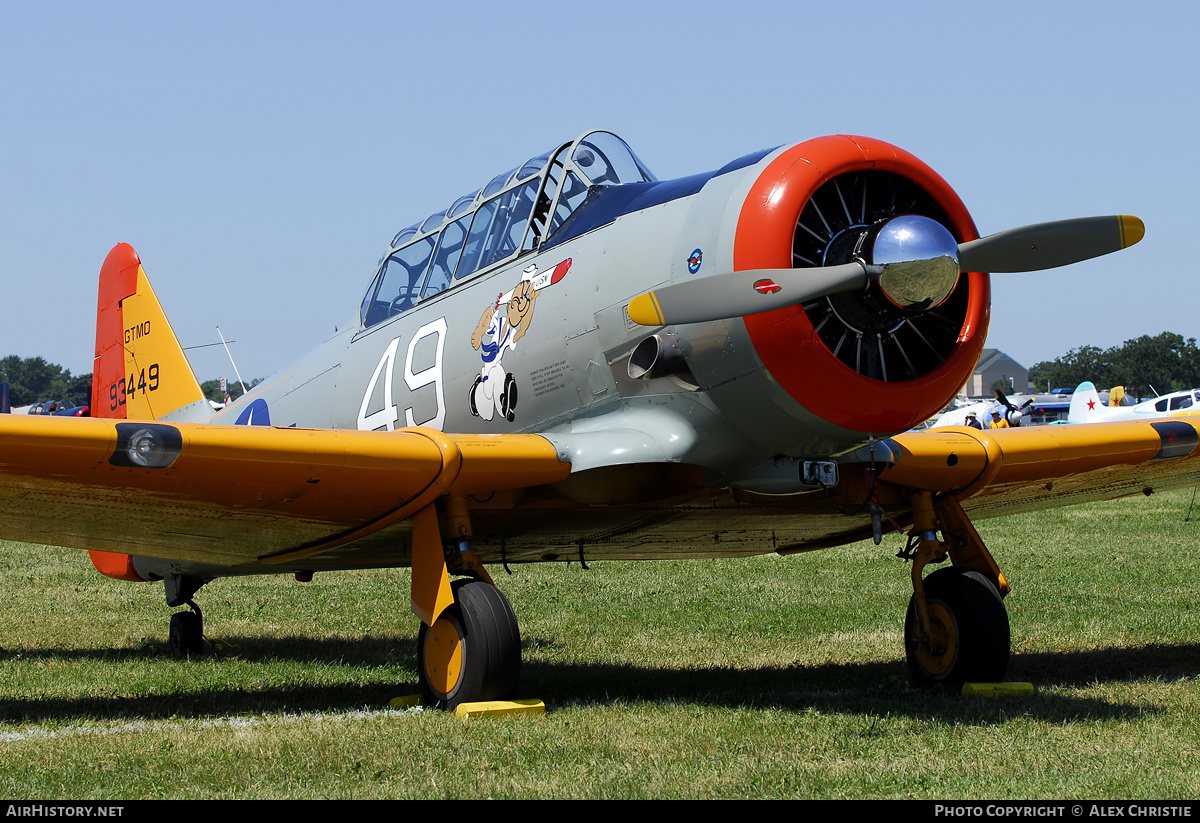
x: 224, y: 722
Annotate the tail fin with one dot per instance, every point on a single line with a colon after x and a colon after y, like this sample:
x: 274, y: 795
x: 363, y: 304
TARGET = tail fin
x: 1085, y: 403
x: 140, y: 372
x: 1116, y: 396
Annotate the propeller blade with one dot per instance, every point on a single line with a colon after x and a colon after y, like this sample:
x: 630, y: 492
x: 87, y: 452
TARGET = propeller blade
x: 1049, y: 245
x: 1003, y: 400
x: 745, y: 292
x: 914, y: 261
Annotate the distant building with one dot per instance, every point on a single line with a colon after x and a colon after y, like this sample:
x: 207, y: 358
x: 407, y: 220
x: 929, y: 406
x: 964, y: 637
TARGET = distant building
x: 996, y: 365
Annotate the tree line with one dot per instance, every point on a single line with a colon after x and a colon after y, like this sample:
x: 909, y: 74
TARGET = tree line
x: 32, y: 380
x: 1145, y: 366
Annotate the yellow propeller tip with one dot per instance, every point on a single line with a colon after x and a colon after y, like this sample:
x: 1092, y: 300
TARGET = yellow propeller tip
x: 643, y: 310
x: 1132, y: 230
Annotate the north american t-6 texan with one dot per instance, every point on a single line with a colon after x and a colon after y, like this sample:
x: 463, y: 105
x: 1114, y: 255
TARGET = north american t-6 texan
x: 579, y: 362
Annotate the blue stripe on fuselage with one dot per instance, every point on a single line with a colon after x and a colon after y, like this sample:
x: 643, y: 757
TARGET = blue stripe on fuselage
x: 604, y: 204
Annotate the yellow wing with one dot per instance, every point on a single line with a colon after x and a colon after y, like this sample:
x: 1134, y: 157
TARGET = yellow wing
x: 235, y: 495
x: 996, y: 472
x: 239, y: 496
x: 989, y: 473
x: 1002, y: 471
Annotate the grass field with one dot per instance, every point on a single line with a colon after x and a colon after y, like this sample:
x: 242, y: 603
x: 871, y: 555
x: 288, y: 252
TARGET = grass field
x: 772, y: 677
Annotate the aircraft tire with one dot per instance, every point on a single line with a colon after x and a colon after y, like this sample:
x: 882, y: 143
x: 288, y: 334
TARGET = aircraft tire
x: 473, y: 651
x: 970, y: 611
x: 186, y: 634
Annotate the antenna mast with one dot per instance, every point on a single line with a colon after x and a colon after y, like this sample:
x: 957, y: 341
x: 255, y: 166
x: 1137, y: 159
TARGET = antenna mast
x: 230, y: 356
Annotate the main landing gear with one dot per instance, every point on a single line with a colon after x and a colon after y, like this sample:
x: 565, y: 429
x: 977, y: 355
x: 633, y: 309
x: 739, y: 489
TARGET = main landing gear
x: 473, y: 650
x: 186, y: 634
x: 469, y: 644
x: 956, y: 629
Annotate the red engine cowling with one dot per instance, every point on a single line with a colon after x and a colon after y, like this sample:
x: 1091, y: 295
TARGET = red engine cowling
x: 857, y: 360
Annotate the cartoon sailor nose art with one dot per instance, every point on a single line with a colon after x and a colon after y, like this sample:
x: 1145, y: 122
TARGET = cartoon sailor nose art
x: 501, y: 326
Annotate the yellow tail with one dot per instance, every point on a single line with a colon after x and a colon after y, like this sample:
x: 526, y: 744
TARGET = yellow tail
x: 140, y: 371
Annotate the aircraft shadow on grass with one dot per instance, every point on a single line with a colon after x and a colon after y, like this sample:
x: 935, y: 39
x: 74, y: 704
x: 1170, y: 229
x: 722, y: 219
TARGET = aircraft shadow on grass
x: 869, y: 688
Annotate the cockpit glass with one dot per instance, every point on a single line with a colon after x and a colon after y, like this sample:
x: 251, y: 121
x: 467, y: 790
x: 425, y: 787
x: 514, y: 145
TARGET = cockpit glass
x: 607, y: 161
x: 445, y: 259
x: 433, y: 221
x: 404, y: 234
x: 532, y: 166
x: 461, y: 205
x: 574, y: 192
x: 507, y: 224
x: 397, y: 287
x: 516, y: 211
x: 498, y: 182
x: 474, y: 247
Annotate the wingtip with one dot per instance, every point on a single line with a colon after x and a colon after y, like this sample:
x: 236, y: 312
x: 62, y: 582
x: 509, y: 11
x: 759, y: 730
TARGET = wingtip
x: 1132, y: 230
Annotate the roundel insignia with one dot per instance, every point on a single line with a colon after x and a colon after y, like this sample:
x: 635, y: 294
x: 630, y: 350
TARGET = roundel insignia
x: 766, y: 286
x: 256, y: 414
x: 694, y: 260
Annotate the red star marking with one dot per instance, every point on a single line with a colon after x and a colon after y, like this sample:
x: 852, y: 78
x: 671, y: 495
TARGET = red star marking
x: 1091, y: 405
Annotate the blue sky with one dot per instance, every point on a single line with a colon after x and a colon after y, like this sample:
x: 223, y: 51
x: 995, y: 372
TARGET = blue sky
x: 260, y: 156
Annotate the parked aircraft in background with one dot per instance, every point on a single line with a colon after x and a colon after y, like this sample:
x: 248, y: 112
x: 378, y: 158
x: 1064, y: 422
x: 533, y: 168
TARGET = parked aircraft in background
x: 1011, y: 409
x: 578, y: 361
x: 1087, y: 408
x: 59, y: 408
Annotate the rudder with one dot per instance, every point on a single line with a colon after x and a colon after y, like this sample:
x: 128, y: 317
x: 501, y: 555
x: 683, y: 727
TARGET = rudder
x: 1085, y: 403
